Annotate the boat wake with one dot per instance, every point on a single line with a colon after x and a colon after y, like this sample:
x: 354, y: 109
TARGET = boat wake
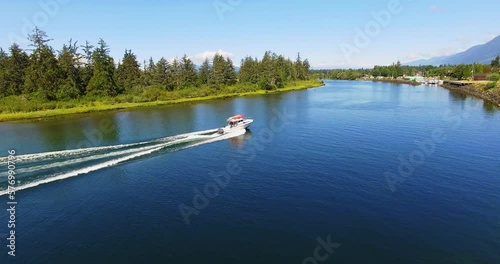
x: 40, y: 168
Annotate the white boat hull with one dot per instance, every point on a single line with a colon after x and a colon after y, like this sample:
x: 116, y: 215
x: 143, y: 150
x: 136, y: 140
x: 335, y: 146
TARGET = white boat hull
x: 240, y: 126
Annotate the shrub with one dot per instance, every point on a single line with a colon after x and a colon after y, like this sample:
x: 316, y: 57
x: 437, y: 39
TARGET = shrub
x: 494, y: 77
x: 491, y: 85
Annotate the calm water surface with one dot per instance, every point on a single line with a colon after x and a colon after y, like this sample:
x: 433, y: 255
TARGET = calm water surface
x: 389, y: 173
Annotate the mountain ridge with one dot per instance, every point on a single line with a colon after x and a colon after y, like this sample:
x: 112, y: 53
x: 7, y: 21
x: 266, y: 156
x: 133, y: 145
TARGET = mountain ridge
x: 483, y: 53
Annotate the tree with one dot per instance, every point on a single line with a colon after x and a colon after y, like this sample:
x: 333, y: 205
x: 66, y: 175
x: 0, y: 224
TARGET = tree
x: 299, y: 69
x: 175, y: 76
x: 306, y: 67
x: 43, y: 74
x: 149, y: 72
x: 267, y: 80
x: 69, y: 62
x: 14, y: 67
x: 187, y: 72
x: 162, y: 72
x: 128, y: 72
x: 398, y: 71
x: 217, y: 74
x: 249, y: 70
x: 87, y: 71
x: 229, y: 72
x: 496, y: 62
x: 3, y: 85
x: 102, y: 82
x: 204, y: 72
x: 462, y: 72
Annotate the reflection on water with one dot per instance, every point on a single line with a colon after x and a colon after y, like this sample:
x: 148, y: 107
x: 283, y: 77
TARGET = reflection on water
x: 490, y: 108
x: 239, y: 141
x: 457, y: 96
x: 461, y: 99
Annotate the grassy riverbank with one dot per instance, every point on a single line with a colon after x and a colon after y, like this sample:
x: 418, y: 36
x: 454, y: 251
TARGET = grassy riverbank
x: 488, y: 91
x: 20, y: 107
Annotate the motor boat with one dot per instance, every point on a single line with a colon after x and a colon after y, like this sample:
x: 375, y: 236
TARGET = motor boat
x: 237, y: 122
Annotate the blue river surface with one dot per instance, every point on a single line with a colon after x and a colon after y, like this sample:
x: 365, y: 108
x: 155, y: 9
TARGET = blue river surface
x: 352, y: 172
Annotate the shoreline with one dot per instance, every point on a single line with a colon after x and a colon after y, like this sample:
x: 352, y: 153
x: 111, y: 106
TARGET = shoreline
x: 477, y: 90
x: 396, y: 81
x: 45, y: 114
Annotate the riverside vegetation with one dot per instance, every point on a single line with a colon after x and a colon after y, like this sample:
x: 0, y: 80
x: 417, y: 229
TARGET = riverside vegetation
x: 488, y: 89
x: 46, y: 82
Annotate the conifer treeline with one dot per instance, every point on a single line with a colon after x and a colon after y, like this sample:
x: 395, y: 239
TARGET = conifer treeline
x: 87, y: 70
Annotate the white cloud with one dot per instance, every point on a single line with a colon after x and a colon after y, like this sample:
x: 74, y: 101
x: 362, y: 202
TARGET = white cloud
x: 200, y: 57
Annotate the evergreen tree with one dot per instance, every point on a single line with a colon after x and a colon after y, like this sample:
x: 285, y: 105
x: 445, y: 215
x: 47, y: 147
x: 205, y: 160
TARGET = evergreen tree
x: 3, y: 85
x: 496, y: 62
x: 87, y: 71
x: 129, y: 71
x: 69, y: 62
x: 279, y: 72
x: 306, y: 68
x: 204, y: 72
x: 102, y: 82
x: 217, y: 74
x: 162, y: 72
x: 249, y: 70
x: 187, y: 72
x: 299, y: 68
x: 43, y: 73
x: 69, y: 74
x: 267, y: 79
x: 229, y: 72
x: 175, y: 76
x: 14, y: 67
x: 149, y: 72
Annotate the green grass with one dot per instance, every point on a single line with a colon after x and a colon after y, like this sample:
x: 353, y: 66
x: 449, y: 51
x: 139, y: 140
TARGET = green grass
x: 21, y: 107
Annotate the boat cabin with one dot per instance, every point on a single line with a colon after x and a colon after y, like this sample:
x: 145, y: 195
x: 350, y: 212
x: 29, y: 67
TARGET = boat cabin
x: 235, y: 120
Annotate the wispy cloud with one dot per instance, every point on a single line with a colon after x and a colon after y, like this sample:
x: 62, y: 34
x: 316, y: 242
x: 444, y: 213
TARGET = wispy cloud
x: 436, y: 9
x: 416, y: 56
x: 447, y: 51
x: 490, y: 37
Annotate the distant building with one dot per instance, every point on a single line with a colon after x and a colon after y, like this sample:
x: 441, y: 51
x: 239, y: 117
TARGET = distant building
x: 480, y: 77
x: 419, y: 79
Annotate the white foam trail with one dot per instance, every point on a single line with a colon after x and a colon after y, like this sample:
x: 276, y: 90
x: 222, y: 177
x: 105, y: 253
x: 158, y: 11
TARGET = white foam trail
x: 83, y: 171
x: 107, y: 155
x: 212, y: 138
x: 79, y: 160
x: 65, y: 153
x: 218, y: 138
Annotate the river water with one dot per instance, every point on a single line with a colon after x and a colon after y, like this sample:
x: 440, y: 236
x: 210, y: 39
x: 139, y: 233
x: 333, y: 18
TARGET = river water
x: 352, y: 172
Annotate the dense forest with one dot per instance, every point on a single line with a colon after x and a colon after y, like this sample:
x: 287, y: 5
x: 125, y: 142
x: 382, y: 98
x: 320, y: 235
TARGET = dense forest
x: 30, y: 80
x: 457, y: 72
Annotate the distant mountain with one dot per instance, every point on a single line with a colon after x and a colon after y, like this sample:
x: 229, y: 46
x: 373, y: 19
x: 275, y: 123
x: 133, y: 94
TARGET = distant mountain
x: 484, y: 53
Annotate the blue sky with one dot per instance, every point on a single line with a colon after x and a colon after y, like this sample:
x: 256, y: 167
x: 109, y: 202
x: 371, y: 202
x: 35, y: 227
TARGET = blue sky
x: 324, y: 31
